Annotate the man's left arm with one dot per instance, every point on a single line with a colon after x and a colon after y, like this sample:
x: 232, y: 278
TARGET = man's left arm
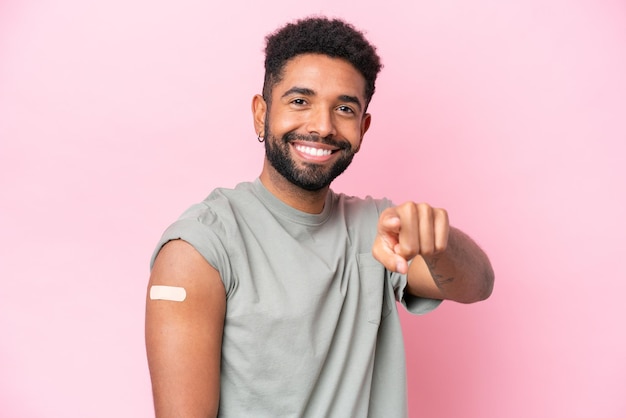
x: 447, y: 264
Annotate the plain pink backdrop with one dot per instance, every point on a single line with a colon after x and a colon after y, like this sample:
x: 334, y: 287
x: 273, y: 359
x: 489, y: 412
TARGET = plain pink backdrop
x: 115, y: 116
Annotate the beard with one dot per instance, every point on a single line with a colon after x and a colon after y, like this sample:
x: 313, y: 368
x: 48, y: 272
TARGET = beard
x: 309, y: 176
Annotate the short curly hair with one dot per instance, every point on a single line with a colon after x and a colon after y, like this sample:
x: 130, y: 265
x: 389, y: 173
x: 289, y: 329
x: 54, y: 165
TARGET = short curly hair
x: 332, y: 37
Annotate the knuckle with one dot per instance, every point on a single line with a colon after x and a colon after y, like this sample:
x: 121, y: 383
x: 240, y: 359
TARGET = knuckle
x: 408, y: 208
x: 408, y: 250
x: 425, y: 208
x: 427, y: 250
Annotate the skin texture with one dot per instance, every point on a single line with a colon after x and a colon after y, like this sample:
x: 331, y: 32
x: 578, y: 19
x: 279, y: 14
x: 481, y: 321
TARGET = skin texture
x: 318, y: 104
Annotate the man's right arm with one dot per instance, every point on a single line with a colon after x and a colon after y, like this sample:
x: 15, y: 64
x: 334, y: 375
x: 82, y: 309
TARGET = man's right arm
x: 184, y: 338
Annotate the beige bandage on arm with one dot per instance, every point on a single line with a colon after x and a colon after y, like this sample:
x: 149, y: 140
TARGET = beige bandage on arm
x: 173, y: 293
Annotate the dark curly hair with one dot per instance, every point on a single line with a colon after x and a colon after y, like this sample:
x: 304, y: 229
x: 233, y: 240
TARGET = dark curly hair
x: 332, y: 37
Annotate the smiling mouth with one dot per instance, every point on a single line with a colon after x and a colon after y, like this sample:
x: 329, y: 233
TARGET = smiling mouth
x: 312, y: 151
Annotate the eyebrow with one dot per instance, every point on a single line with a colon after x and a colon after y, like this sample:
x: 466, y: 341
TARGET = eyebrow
x: 308, y: 92
x: 299, y: 90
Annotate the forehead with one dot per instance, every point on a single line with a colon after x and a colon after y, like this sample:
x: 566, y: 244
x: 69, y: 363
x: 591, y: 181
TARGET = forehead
x: 322, y: 74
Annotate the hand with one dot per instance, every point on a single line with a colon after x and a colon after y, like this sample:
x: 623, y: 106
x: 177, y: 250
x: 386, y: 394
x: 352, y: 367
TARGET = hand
x: 408, y: 230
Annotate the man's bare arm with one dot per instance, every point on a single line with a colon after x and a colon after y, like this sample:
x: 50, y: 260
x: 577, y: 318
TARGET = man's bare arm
x: 184, y: 338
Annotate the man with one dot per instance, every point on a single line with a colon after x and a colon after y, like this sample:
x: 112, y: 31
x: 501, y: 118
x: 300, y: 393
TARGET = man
x: 277, y: 298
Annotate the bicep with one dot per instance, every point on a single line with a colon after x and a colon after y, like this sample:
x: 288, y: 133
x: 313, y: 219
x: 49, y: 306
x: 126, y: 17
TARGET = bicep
x: 184, y: 338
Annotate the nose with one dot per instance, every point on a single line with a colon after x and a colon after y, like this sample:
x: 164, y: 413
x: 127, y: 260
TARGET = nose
x: 321, y: 122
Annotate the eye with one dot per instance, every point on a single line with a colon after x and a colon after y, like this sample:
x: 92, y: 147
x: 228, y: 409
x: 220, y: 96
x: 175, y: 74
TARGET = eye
x: 298, y: 102
x: 345, y: 109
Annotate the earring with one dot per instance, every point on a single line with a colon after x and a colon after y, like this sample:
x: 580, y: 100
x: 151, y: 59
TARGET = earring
x: 260, y: 138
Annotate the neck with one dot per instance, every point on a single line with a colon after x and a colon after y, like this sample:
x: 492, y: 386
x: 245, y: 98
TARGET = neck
x: 290, y: 194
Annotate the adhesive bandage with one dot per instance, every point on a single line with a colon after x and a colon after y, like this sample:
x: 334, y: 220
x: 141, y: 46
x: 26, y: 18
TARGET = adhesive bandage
x: 173, y: 293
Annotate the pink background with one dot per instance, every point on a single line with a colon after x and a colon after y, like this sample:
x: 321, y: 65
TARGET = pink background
x: 115, y: 116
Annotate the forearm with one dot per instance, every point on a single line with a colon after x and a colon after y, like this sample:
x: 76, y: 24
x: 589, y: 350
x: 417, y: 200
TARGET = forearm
x: 462, y: 272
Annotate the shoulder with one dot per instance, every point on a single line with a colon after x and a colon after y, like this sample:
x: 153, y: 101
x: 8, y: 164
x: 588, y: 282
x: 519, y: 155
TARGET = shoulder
x: 205, y: 225
x: 219, y: 204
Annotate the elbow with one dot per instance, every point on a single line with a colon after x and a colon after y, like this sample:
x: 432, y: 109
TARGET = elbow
x: 485, y: 285
x: 488, y: 281
x: 482, y: 288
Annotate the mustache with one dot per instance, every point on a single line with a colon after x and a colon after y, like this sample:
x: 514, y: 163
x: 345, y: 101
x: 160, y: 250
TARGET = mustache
x: 341, y: 144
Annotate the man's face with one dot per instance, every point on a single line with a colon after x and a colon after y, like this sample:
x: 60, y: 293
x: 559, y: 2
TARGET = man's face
x: 316, y: 120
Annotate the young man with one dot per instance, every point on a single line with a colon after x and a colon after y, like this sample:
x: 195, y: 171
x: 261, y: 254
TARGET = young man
x: 277, y: 298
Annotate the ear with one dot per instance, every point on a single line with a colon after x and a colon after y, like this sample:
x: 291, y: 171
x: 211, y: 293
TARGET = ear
x: 365, y: 125
x: 259, y: 108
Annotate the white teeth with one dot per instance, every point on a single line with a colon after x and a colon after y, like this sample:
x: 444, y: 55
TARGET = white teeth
x: 316, y: 152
